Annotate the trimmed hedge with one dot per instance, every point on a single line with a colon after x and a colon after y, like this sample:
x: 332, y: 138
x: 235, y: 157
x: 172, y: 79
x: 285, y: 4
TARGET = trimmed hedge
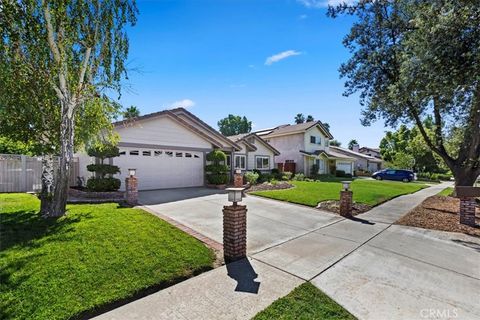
x: 103, y: 184
x: 103, y: 169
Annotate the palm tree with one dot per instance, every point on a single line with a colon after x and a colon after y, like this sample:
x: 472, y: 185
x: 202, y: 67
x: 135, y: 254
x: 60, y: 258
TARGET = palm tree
x: 352, y: 143
x: 131, y: 112
x: 310, y: 118
x: 299, y: 118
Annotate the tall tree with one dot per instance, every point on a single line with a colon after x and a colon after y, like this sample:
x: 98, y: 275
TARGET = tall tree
x: 411, y: 59
x: 299, y: 118
x: 335, y: 143
x: 310, y: 118
x: 233, y: 125
x: 352, y: 143
x: 79, y: 48
x: 131, y: 112
x: 326, y: 125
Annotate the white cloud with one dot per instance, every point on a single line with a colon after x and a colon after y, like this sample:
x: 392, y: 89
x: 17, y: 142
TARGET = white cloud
x: 324, y: 3
x: 280, y: 56
x: 185, y: 103
x: 303, y: 16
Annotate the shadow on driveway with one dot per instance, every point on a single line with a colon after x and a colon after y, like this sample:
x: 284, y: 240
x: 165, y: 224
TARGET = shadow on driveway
x: 243, y: 272
x: 152, y: 197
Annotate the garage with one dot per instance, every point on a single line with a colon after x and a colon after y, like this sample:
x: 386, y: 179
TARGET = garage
x: 345, y: 166
x: 162, y: 168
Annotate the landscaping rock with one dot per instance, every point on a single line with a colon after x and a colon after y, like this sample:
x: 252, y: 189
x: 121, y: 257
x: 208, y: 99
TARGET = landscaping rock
x: 334, y: 206
x: 281, y: 185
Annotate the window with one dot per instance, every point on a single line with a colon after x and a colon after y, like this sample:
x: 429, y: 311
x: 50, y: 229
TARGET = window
x: 134, y: 153
x: 251, y: 140
x: 391, y: 172
x: 178, y: 154
x: 229, y: 161
x: 169, y: 153
x: 263, y: 163
x: 327, y: 142
x: 157, y: 153
x: 313, y: 139
x: 188, y: 155
x: 122, y: 153
x: 147, y: 153
x: 196, y: 156
x: 240, y: 162
x: 289, y: 161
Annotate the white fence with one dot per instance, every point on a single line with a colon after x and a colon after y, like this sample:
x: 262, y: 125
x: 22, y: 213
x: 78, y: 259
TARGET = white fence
x: 20, y: 173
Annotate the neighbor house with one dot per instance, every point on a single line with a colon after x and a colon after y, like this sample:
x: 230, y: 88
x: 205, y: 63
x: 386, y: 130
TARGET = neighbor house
x: 362, y: 161
x: 255, y: 153
x: 167, y: 149
x: 304, y: 145
x: 372, y: 152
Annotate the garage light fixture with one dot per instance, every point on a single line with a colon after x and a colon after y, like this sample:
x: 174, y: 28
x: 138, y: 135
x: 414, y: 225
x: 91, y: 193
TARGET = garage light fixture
x: 132, y: 172
x: 234, y: 195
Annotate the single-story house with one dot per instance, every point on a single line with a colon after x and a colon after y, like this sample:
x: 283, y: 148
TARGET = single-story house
x: 167, y: 148
x: 304, y: 145
x: 362, y: 161
x: 255, y: 153
x: 372, y: 152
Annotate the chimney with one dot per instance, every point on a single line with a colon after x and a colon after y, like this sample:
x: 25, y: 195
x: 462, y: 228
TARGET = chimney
x: 356, y: 148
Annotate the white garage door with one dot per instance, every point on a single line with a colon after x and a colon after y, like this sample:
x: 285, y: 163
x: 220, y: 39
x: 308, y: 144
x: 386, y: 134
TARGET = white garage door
x: 161, y: 168
x: 345, y: 166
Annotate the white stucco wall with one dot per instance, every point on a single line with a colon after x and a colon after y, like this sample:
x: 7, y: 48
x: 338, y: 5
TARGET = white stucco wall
x: 262, y: 150
x: 289, y: 148
x: 310, y: 147
x: 161, y: 131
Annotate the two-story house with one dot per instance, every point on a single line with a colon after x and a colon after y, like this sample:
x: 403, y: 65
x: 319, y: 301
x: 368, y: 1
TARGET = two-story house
x: 306, y: 145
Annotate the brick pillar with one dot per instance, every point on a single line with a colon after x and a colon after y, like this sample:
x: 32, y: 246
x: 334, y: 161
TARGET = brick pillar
x: 131, y: 190
x: 234, y: 232
x: 238, y: 180
x: 467, y: 211
x: 346, y: 202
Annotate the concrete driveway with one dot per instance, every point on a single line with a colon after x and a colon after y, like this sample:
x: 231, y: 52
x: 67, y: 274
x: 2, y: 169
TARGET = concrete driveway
x: 269, y: 222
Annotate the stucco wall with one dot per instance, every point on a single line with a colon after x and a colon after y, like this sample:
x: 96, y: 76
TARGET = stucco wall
x: 261, y: 151
x: 311, y: 147
x: 289, y: 148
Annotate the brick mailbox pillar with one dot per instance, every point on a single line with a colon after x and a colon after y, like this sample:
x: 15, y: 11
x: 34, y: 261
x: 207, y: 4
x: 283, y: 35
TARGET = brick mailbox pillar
x: 346, y: 203
x: 131, y: 190
x: 467, y: 211
x: 467, y: 196
x: 234, y: 232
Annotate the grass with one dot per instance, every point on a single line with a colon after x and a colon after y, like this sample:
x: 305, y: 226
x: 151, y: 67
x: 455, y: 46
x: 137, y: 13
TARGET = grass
x: 304, y: 302
x: 364, y: 191
x: 446, y: 192
x: 93, y: 256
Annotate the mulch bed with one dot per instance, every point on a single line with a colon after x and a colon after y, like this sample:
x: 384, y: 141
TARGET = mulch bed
x: 334, y: 206
x: 281, y: 185
x: 440, y: 213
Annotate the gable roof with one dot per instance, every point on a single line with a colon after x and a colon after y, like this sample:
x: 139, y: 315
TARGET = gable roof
x: 244, y: 138
x: 354, y: 154
x: 293, y: 129
x: 187, y: 120
x: 328, y: 154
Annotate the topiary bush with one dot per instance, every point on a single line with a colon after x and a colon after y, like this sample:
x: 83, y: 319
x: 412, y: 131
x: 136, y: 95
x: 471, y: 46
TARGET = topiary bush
x: 216, y: 169
x: 103, y: 180
x: 251, y: 177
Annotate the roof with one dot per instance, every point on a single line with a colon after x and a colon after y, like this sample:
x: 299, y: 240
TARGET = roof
x: 354, y: 154
x: 368, y: 148
x: 244, y: 138
x: 329, y: 154
x: 175, y: 114
x: 293, y: 128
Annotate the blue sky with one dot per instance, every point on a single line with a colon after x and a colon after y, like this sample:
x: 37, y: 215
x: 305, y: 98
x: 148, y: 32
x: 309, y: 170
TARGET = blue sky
x: 267, y: 60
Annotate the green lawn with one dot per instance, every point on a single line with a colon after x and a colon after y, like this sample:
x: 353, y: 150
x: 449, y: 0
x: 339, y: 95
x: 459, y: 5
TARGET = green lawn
x: 446, y: 192
x: 94, y: 255
x: 305, y: 302
x: 370, y: 192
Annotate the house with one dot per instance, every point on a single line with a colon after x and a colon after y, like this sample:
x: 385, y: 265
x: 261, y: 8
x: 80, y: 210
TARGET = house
x: 168, y: 149
x: 362, y: 161
x: 372, y: 152
x: 255, y: 153
x: 304, y: 145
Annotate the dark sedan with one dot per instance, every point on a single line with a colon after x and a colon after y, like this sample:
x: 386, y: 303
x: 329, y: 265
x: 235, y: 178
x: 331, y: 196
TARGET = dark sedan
x: 394, y: 174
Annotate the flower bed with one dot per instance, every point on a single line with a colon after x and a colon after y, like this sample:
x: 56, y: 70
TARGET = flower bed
x: 334, y: 206
x: 281, y: 185
x: 84, y: 196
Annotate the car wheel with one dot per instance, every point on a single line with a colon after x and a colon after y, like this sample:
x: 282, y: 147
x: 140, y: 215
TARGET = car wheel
x: 378, y: 178
x: 406, y: 180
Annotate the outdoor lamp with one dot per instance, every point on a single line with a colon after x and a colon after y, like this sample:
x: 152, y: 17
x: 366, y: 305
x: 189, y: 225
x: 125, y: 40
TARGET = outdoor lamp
x: 346, y: 185
x: 132, y: 172
x: 238, y: 171
x: 234, y: 195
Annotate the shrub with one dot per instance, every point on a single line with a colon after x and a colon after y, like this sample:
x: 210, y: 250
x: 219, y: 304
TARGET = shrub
x: 340, y: 173
x: 103, y: 169
x: 298, y: 177
x: 216, y: 170
x: 314, y: 169
x: 266, y: 177
x: 275, y: 171
x: 103, y: 184
x: 287, y: 175
x: 277, y: 174
x: 251, y: 177
x: 309, y: 180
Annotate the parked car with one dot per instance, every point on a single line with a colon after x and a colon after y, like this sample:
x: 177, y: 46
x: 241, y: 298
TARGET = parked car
x: 394, y: 174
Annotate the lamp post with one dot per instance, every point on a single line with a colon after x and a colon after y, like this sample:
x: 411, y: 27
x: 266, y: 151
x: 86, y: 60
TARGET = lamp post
x: 346, y: 185
x: 131, y: 187
x: 132, y: 172
x: 346, y: 200
x: 234, y: 227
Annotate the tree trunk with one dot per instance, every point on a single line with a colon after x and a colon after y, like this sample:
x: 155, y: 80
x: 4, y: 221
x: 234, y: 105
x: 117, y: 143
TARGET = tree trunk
x: 46, y: 194
x: 65, y: 162
x: 465, y: 176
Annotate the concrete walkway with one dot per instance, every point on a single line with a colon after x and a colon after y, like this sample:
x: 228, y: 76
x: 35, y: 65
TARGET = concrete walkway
x: 374, y: 269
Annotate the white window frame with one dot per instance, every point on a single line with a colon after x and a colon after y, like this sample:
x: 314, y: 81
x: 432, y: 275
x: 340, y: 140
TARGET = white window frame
x: 262, y: 158
x: 240, y: 156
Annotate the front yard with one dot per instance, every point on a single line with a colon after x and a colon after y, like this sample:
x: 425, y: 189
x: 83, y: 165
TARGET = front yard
x: 93, y: 256
x: 368, y: 192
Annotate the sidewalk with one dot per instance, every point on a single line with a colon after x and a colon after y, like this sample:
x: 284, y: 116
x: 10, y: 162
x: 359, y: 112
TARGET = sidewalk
x: 374, y: 269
